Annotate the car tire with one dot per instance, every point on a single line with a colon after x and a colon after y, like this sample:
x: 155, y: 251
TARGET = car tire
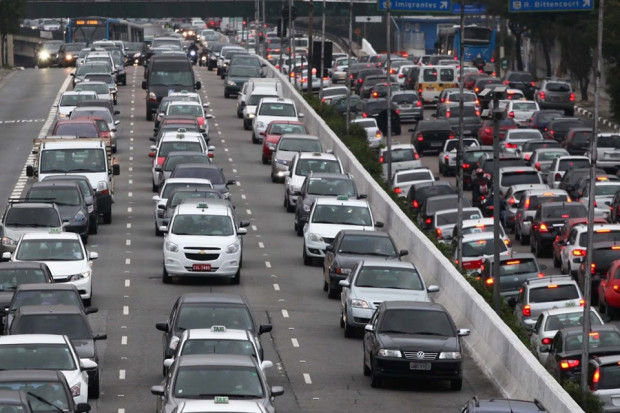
x: 226, y: 95
x: 240, y: 115
x: 125, y: 82
x: 307, y: 259
x: 289, y: 208
x: 93, y: 388
x: 155, y: 187
x: 165, y: 277
x: 366, y: 370
x: 245, y: 126
x: 456, y: 385
x: 158, y: 233
x: 375, y: 380
x: 524, y: 240
x: 85, y: 238
x: 237, y: 278
x: 107, y: 217
x: 556, y: 262
x: 325, y: 286
x: 264, y: 160
x: 332, y: 292
x: 349, y: 332
x: 209, y: 68
x: 149, y: 115
x: 274, y: 179
x: 254, y: 140
x: 341, y: 320
x: 93, y: 225
x: 517, y: 233
x: 300, y: 230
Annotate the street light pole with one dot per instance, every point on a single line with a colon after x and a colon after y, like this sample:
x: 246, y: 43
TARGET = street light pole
x: 459, y: 151
x: 389, y: 90
x: 322, y: 47
x: 349, y: 65
x: 587, y: 282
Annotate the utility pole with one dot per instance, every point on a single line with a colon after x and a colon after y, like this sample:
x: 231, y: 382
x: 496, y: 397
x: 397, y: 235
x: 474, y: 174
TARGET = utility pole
x: 310, y: 29
x: 388, y: 28
x: 322, y: 47
x: 587, y: 282
x: 256, y: 22
x: 459, y: 151
x: 291, y: 49
x: 349, y: 65
x: 497, y: 115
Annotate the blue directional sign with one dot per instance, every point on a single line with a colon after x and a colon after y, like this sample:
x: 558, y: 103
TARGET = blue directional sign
x: 524, y: 6
x: 469, y: 9
x: 429, y: 6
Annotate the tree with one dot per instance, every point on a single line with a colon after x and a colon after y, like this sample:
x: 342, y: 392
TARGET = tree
x: 11, y: 13
x: 577, y: 35
x: 611, y: 53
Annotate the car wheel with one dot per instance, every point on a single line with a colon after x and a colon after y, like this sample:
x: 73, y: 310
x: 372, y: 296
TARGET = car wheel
x: 375, y: 380
x: 289, y: 207
x: 366, y: 370
x: 245, y: 125
x: 307, y: 259
x: 149, y: 115
x: 601, y: 307
x: 332, y: 292
x: 525, y: 240
x: 240, y: 115
x: 125, y: 82
x: 273, y: 178
x: 158, y: 233
x: 300, y: 230
x: 107, y: 217
x: 88, y: 301
x: 165, y: 278
x: 325, y: 286
x: 93, y: 225
x: 93, y: 388
x: 85, y: 238
x: 237, y: 278
x: 209, y: 68
x: 254, y: 140
x: 533, y: 245
x: 341, y: 320
x: 349, y: 332
x: 155, y: 187
x: 226, y: 95
x: 456, y: 385
x: 264, y: 160
x: 556, y: 262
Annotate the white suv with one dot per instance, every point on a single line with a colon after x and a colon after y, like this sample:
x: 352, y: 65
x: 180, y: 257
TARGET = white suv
x: 302, y: 164
x: 270, y: 109
x: 575, y: 246
x: 328, y: 217
x: 203, y: 239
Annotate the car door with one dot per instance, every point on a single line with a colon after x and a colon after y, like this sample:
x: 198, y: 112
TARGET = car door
x: 172, y: 326
x: 535, y: 336
x: 554, y: 356
x: 569, y: 247
x: 330, y: 254
x: 370, y: 342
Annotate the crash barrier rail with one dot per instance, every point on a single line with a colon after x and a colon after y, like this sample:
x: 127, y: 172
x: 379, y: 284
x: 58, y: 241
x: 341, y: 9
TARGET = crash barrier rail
x: 494, y: 347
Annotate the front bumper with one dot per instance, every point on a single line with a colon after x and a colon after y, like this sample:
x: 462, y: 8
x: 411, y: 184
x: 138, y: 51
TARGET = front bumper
x: 359, y: 317
x: 403, y: 368
x: 224, y: 265
x: 315, y: 249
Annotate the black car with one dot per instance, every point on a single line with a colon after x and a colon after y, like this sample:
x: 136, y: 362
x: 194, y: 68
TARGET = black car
x: 514, y: 270
x: 321, y: 185
x: 348, y: 247
x: 471, y: 117
x: 413, y: 340
x: 48, y: 390
x: 603, y: 253
x: 505, y: 159
x: 68, y: 53
x: 236, y: 77
x: 66, y: 320
x: 204, y: 310
x: 70, y: 201
x: 471, y: 162
x: 476, y: 405
x: 365, y: 90
x: 577, y: 141
x: 411, y: 78
x: 206, y: 171
x: 430, y: 135
x: 436, y: 203
x: 14, y: 274
x: 541, y: 118
x: 572, y: 176
x: 90, y: 196
x: 524, y: 81
x: 558, y: 128
x: 340, y: 105
x: 549, y: 219
x: 564, y: 358
x: 418, y: 193
x: 362, y: 75
x: 377, y: 108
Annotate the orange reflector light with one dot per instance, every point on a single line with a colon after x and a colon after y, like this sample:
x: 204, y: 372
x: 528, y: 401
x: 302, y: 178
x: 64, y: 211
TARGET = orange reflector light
x: 552, y: 286
x: 513, y: 262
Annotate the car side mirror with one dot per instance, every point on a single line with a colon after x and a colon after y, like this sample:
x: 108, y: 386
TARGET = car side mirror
x: 362, y: 196
x: 29, y: 171
x: 432, y: 288
x: 100, y: 337
x: 144, y: 84
x: 300, y: 115
x: 168, y: 362
x: 87, y: 365
x: 116, y: 169
x: 544, y: 349
x: 206, y: 105
x: 264, y: 328
x: 163, y: 229
x: 266, y: 364
x: 402, y: 253
x: 529, y: 219
x: 369, y: 327
x: 344, y: 283
x: 158, y: 168
x: 162, y: 327
x: 244, y: 223
x: 464, y: 332
x: 82, y: 408
x: 6, y: 255
x: 242, y: 231
x: 543, y: 267
x: 562, y: 243
x: 277, y: 391
x: 197, y: 85
x: 161, y: 206
x: 92, y: 255
x: 231, y: 182
x: 117, y: 122
x: 262, y: 133
x: 91, y: 310
x: 329, y: 248
x: 378, y: 224
x: 117, y: 112
x: 157, y: 390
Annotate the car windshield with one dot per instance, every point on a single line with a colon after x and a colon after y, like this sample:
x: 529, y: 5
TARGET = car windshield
x: 472, y: 156
x: 556, y: 322
x: 389, y: 277
x: 512, y: 267
x: 550, y: 155
x: 566, y: 164
x: 202, y: 225
x: 572, y: 210
x: 342, y: 214
x: 218, y: 346
x: 97, y: 87
x: 524, y: 135
x: 212, y: 174
x: 195, y: 382
x: 52, y: 392
x: 367, y: 245
x: 335, y: 91
x: 72, y: 160
x: 74, y: 326
x: 32, y: 217
x: 606, y: 190
x: 597, y: 339
x: 305, y: 166
x: 60, y: 196
x: 36, y: 356
x: 422, y: 322
x: 481, y: 247
x: 277, y: 109
x: 50, y: 250
x: 99, y: 112
x: 331, y: 187
x: 10, y: 278
x: 600, y: 236
x: 403, y: 155
x: 46, y: 297
x: 243, y: 72
x: 72, y: 100
x: 300, y: 145
x: 481, y: 228
x: 536, y: 200
x: 414, y: 176
x: 527, y: 106
x: 255, y: 99
x: 173, y: 161
x: 93, y: 68
x: 520, y: 177
x: 179, y: 196
x: 554, y: 292
x: 175, y: 146
x: 206, y: 316
x: 450, y: 218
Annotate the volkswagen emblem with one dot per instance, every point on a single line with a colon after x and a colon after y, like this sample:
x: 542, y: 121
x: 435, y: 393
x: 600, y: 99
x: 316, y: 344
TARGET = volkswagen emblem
x: 420, y: 354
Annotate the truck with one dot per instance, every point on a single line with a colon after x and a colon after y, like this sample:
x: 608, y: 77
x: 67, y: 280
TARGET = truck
x: 89, y: 157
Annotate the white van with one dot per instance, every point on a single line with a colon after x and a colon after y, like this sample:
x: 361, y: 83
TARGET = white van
x: 433, y: 79
x: 253, y: 83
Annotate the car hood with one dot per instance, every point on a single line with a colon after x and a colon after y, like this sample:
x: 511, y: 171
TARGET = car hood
x: 415, y: 342
x: 379, y: 295
x: 285, y: 155
x: 239, y: 80
x: 5, y: 298
x: 65, y: 268
x: 16, y: 232
x: 219, y: 241
x: 67, y: 212
x: 330, y: 230
x: 84, y: 348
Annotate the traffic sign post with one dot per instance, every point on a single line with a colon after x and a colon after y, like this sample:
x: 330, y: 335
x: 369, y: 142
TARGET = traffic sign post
x: 525, y: 6
x: 430, y: 6
x: 368, y: 19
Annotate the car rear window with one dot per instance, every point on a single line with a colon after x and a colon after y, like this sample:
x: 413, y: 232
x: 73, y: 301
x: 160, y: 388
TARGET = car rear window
x: 553, y: 292
x: 566, y: 164
x: 582, y: 137
x: 597, y: 339
x: 536, y: 200
x: 612, y: 141
x: 572, y: 319
x: 525, y: 135
x: 606, y: 190
x: 599, y: 236
x: 550, y: 155
x: 414, y: 176
x: 520, y: 77
x: 519, y: 266
x: 278, y: 109
x: 524, y: 106
x: 36, y: 217
x: 558, y: 87
x: 424, y: 193
x: 481, y: 247
x: 405, y: 98
x: 82, y: 130
x: 602, y: 257
x: 572, y: 210
x: 517, y: 178
x: 609, y: 377
x: 451, y: 217
x: 402, y: 155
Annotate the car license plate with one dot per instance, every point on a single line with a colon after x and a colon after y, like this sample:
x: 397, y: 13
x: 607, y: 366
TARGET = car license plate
x: 405, y: 106
x: 570, y: 304
x: 429, y: 88
x: 419, y: 366
x: 201, y: 267
x: 436, y: 144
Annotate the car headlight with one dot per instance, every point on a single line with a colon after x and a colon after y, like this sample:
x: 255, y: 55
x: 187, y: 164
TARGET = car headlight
x: 251, y: 115
x: 79, y: 276
x: 172, y: 247
x: 307, y: 208
x: 75, y: 390
x: 91, y: 209
x: 450, y: 355
x: 79, y: 217
x: 136, y: 56
x: 231, y: 83
x: 282, y: 162
x: 44, y: 55
x: 315, y: 238
x: 359, y: 303
x: 69, y: 57
x: 9, y: 242
x: 152, y: 96
x: 271, y: 146
x: 63, y: 115
x: 260, y: 125
x: 102, y: 186
x: 233, y: 248
x: 386, y: 352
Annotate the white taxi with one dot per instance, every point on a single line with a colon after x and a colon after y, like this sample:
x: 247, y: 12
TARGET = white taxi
x: 270, y: 109
x: 328, y: 217
x: 64, y: 254
x: 203, y: 240
x: 221, y: 404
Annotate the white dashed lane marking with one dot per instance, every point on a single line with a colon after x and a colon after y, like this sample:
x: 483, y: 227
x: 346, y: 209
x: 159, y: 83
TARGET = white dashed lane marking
x: 284, y: 313
x: 295, y: 342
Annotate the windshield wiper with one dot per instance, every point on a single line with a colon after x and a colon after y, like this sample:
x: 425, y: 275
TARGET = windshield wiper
x: 379, y: 254
x: 47, y: 171
x: 393, y: 332
x: 427, y: 333
x: 236, y: 396
x: 42, y: 400
x: 80, y: 170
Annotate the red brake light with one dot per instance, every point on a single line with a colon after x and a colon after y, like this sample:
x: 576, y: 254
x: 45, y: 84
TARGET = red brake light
x: 490, y: 281
x: 397, y: 111
x: 593, y: 268
x: 416, y: 156
x: 572, y: 97
x: 558, y: 177
x: 546, y: 341
x: 511, y: 114
x: 465, y: 166
x: 541, y: 95
x: 401, y: 76
x: 439, y: 234
x: 415, y: 204
x: 569, y: 364
x: 419, y: 103
x: 537, y: 166
x: 428, y: 221
x: 513, y: 262
x: 582, y: 302
x: 543, y: 228
x: 381, y: 159
x: 420, y: 137
x: 510, y: 145
x: 597, y: 376
x: 579, y: 252
x: 364, y: 115
x: 527, y: 310
x: 533, y: 84
x: 398, y: 191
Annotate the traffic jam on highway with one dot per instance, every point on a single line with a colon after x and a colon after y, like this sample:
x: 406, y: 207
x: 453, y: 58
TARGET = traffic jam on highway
x: 216, y: 346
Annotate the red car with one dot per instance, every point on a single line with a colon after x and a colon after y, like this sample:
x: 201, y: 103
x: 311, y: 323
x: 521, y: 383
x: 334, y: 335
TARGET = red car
x: 485, y: 133
x: 275, y: 129
x: 560, y: 239
x: 609, y: 290
x: 82, y: 128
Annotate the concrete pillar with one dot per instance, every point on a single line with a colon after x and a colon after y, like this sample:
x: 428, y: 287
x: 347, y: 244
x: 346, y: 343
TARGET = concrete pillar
x: 9, y: 45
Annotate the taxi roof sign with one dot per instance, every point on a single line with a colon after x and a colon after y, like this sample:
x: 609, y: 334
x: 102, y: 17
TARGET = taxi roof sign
x: 202, y: 205
x: 55, y: 230
x: 218, y: 329
x: 342, y: 198
x: 221, y: 400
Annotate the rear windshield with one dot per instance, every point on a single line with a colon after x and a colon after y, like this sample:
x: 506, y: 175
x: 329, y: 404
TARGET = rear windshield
x: 405, y: 98
x: 176, y: 146
x: 582, y: 137
x: 172, y: 162
x: 608, y: 141
x: 300, y: 145
x: 282, y: 128
x: 520, y: 266
x: 481, y: 247
x: 367, y: 245
x: 602, y: 257
x: 331, y: 187
x: 402, y: 155
x: 536, y: 200
x: 278, y: 109
x: 558, y: 87
x: 572, y: 210
x: 424, y: 193
x: 170, y: 188
x: 524, y: 106
x: 451, y: 217
x: 414, y: 176
x: 550, y: 155
x: 609, y: 377
x: 566, y: 164
x: 601, y: 236
x: 597, y: 339
x: 305, y: 166
x: 517, y: 178
x: 525, y: 135
x: 573, y: 319
x: 554, y: 292
x: 532, y: 145
x: 606, y: 190
x: 82, y: 130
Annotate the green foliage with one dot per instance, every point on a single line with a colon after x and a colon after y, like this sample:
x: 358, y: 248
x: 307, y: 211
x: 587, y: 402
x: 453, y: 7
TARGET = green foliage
x: 588, y: 401
x: 611, y: 52
x: 11, y: 13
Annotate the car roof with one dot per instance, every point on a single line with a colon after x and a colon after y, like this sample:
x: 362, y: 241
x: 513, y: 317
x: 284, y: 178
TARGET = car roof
x: 525, y: 187
x: 50, y: 309
x: 607, y: 359
x: 507, y: 405
x: 27, y: 204
x: 565, y: 310
x: 235, y: 360
x: 50, y: 236
x: 192, y: 298
x: 573, y: 331
x: 539, y: 192
x: 204, y: 207
x: 505, y: 169
x: 550, y: 279
x: 413, y: 305
x: 32, y: 338
x: 317, y: 155
x: 277, y: 100
x: 189, y: 181
x: 478, y: 236
x: 232, y: 405
x: 212, y: 333
x: 336, y: 201
x: 403, y: 146
x: 48, y: 184
x: 381, y: 234
x: 382, y: 262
